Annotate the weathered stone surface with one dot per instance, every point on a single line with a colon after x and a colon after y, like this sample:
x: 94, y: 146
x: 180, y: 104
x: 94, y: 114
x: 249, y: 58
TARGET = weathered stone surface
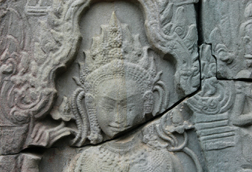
x: 24, y: 162
x: 157, y: 146
x: 222, y: 118
x: 226, y: 25
x: 91, y: 85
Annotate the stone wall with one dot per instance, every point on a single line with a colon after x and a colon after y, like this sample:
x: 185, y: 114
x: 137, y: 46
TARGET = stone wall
x: 125, y: 85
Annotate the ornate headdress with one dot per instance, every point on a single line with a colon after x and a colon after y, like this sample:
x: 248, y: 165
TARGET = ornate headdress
x: 115, y: 53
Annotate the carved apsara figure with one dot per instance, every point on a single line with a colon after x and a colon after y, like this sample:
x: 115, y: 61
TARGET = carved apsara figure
x: 117, y: 83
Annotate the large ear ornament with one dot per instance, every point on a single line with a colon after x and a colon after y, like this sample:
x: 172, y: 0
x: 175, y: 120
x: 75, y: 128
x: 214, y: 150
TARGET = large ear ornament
x: 163, y: 98
x: 80, y: 114
x: 148, y: 102
x: 91, y: 110
x: 95, y: 132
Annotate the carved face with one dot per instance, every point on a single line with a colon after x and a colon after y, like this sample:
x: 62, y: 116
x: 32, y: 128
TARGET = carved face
x: 119, y: 105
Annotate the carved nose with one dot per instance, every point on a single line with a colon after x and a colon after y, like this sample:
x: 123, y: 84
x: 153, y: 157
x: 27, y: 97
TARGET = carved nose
x: 120, y: 116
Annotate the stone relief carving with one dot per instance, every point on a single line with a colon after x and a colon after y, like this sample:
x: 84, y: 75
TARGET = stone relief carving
x: 230, y: 36
x: 150, y: 149
x: 222, y: 118
x: 89, y: 85
x: 117, y: 63
x: 27, y: 79
x: 211, y: 105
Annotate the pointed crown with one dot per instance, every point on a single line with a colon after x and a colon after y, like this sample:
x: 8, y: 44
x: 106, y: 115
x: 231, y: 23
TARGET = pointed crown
x: 115, y: 52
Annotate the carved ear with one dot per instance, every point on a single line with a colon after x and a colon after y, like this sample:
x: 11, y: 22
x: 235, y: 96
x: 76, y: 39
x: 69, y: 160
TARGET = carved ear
x: 163, y: 98
x: 80, y: 116
x: 95, y: 132
x: 148, y: 102
x: 89, y: 100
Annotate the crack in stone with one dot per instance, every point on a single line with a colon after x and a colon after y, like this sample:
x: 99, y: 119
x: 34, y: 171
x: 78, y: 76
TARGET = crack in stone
x: 137, y: 128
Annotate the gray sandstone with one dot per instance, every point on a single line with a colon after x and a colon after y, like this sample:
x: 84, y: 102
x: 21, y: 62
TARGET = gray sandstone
x: 130, y: 86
